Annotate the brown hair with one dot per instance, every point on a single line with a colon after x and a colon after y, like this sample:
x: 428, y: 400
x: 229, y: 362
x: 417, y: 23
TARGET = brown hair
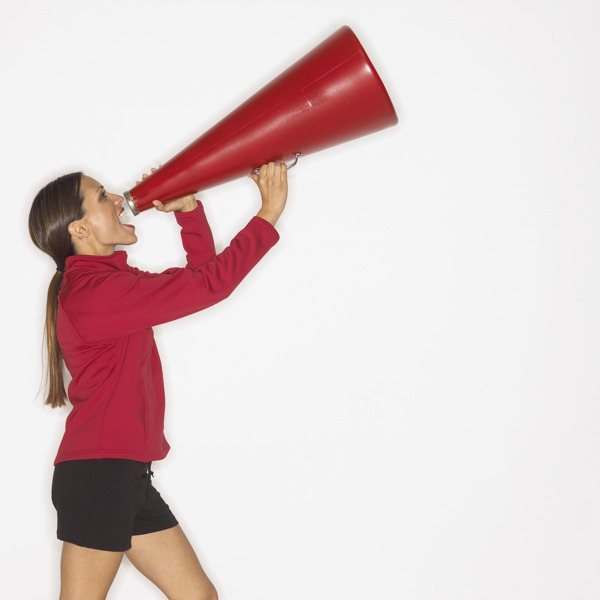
x: 55, y: 206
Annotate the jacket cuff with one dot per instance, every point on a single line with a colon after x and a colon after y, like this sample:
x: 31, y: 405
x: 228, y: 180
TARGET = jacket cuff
x: 183, y: 217
x: 267, y: 227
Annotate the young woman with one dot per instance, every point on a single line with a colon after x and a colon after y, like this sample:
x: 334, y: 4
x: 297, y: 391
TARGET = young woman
x: 99, y: 316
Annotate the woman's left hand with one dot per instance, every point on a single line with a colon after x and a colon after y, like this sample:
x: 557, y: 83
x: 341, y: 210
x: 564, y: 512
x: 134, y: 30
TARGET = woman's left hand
x: 185, y: 204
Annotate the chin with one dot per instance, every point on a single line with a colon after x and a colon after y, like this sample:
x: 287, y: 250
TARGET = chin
x: 129, y: 242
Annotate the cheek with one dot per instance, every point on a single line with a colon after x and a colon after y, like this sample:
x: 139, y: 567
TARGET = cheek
x: 105, y: 228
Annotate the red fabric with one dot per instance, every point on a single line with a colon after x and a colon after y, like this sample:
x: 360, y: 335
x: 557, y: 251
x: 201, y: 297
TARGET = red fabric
x: 105, y: 313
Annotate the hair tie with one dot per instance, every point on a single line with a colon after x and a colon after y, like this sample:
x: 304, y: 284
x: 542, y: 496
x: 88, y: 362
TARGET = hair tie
x: 61, y: 271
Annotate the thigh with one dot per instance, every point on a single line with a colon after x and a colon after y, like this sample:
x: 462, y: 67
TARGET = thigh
x: 86, y: 573
x: 168, y: 560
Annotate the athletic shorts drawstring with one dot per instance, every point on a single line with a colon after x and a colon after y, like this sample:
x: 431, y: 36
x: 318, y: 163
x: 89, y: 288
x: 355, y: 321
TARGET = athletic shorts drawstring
x: 149, y: 474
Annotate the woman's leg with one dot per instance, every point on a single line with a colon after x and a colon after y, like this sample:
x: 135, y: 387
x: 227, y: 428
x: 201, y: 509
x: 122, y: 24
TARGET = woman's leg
x: 87, y: 574
x: 168, y: 560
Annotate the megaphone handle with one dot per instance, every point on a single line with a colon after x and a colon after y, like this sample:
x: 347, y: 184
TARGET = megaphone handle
x: 298, y: 155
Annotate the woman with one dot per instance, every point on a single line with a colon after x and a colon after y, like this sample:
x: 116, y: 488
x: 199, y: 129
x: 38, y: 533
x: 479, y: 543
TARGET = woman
x: 99, y: 316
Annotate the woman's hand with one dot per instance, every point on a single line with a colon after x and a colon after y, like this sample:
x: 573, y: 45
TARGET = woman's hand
x: 185, y: 204
x: 272, y: 183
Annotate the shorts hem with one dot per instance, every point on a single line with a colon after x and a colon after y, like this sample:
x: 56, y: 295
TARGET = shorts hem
x: 158, y: 528
x: 103, y: 547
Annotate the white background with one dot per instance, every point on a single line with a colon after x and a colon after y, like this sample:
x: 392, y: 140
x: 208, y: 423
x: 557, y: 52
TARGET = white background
x: 401, y: 400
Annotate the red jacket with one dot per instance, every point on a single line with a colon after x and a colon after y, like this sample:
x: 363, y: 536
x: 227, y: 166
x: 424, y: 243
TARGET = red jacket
x: 105, y: 313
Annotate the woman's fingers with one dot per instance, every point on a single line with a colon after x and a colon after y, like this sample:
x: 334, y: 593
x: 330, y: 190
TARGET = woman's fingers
x: 266, y: 170
x: 168, y: 207
x: 184, y: 204
x: 151, y: 171
x: 270, y: 172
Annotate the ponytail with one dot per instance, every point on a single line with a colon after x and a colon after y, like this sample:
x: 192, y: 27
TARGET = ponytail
x: 57, y: 395
x: 56, y: 206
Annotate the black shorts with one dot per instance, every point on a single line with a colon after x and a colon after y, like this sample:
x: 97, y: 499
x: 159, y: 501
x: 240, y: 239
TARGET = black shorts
x: 102, y: 502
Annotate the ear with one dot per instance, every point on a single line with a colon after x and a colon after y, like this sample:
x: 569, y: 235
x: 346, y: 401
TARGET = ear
x: 78, y: 230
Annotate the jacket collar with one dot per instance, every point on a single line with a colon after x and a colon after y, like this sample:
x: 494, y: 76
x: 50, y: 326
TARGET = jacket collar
x: 115, y: 261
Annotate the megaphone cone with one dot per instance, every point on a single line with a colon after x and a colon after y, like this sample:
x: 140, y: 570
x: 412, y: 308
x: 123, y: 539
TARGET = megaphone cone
x: 331, y: 95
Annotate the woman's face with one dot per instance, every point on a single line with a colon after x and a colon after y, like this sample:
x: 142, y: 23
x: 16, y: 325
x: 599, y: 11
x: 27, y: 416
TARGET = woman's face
x: 100, y: 229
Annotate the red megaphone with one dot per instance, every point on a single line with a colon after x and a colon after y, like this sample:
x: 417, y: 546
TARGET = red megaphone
x: 331, y: 95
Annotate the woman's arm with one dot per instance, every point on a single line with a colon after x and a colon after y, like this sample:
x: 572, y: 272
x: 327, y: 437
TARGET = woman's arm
x: 196, y: 235
x: 272, y: 183
x: 112, y: 303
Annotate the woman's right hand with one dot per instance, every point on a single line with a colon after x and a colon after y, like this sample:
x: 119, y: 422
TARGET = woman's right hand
x: 272, y: 183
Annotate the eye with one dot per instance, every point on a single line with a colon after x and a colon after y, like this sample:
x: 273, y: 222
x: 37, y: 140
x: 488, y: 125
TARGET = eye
x: 103, y: 196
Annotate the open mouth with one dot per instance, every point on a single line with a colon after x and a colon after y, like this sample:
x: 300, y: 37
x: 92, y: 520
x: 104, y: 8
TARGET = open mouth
x: 121, y: 217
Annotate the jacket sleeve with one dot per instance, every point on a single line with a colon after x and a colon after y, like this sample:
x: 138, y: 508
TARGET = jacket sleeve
x: 196, y: 236
x: 111, y: 304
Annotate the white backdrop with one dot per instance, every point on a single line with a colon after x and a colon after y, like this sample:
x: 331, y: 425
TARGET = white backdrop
x: 401, y: 401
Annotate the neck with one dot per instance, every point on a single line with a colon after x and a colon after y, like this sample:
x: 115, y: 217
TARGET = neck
x: 94, y: 249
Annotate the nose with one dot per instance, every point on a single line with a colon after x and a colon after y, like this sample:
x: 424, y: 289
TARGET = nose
x: 118, y: 200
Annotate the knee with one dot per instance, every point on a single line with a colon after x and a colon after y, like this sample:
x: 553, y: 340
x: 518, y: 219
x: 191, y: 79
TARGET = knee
x: 206, y: 594
x: 213, y: 595
x: 210, y: 595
